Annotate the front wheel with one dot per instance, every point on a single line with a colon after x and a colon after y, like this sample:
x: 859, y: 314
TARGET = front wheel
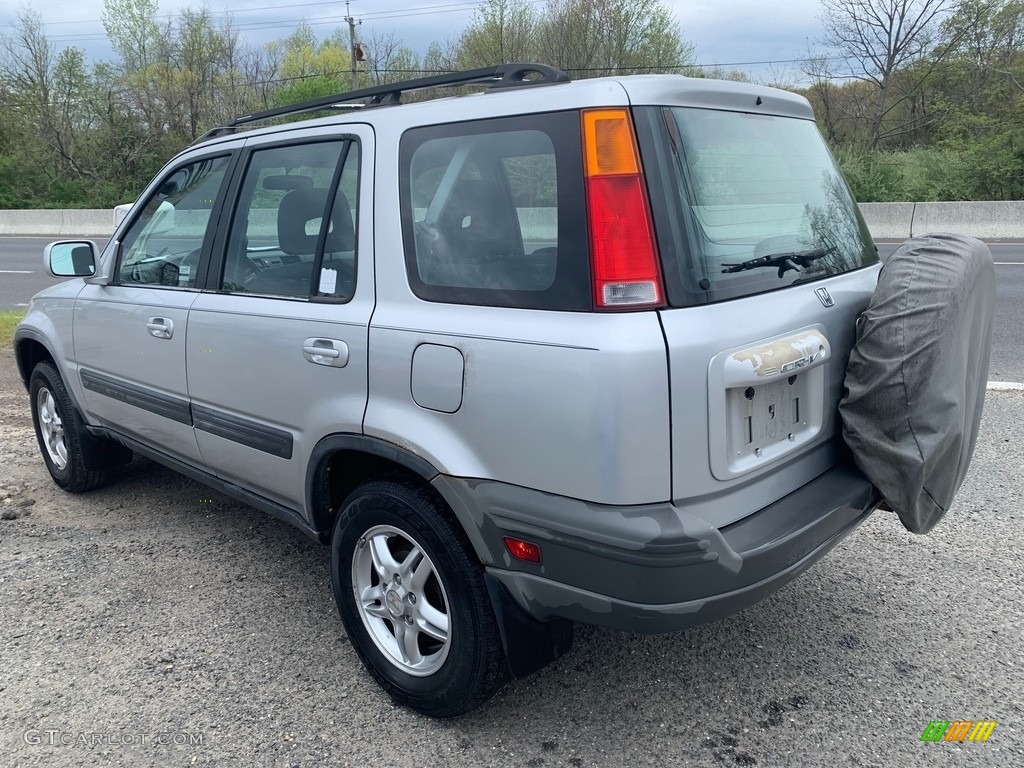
x: 413, y: 600
x: 59, y: 431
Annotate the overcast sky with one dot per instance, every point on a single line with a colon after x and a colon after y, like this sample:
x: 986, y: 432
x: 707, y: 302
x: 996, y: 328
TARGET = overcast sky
x: 724, y: 32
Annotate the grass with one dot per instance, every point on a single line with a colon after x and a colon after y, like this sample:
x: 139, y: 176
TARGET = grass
x: 8, y: 319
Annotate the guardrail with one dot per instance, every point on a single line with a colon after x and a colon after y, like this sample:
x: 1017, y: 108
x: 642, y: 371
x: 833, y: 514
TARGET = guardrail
x: 895, y: 221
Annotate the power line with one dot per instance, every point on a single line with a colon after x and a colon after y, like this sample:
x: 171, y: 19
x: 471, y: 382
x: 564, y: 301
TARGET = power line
x: 417, y: 11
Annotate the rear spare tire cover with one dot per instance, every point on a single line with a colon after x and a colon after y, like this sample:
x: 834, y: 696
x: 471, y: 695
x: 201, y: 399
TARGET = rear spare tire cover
x: 915, y: 384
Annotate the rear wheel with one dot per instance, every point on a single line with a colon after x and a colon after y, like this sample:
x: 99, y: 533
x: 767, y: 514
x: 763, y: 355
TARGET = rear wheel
x: 413, y: 600
x: 59, y: 431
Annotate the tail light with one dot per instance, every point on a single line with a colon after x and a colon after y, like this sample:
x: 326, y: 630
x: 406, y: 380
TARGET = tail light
x: 622, y: 251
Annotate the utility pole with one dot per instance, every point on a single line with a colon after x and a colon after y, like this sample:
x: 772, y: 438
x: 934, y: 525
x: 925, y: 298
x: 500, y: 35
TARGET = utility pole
x: 352, y: 44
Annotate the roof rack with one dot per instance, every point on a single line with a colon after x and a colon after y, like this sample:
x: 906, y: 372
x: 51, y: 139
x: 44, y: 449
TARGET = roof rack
x: 500, y: 76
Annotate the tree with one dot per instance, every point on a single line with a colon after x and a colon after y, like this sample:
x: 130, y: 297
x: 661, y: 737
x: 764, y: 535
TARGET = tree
x: 879, y: 39
x: 388, y: 61
x: 132, y: 30
x: 587, y: 38
x: 501, y: 31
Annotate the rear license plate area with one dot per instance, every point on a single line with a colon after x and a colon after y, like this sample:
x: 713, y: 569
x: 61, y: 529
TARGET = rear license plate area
x: 766, y: 401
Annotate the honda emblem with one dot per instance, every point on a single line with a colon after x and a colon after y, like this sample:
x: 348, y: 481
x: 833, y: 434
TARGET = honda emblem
x: 824, y: 297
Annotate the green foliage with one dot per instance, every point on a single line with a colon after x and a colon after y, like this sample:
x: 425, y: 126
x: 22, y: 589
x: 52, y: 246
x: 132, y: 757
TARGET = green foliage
x: 873, y: 176
x: 982, y: 170
x: 945, y: 126
x: 307, y: 88
x: 9, y: 318
x: 587, y: 38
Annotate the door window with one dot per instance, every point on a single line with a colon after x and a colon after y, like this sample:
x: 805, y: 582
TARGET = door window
x: 163, y: 244
x: 293, y: 232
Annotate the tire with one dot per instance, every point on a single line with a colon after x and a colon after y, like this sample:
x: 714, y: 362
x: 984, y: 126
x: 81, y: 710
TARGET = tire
x: 412, y: 598
x: 916, y: 379
x: 59, y: 431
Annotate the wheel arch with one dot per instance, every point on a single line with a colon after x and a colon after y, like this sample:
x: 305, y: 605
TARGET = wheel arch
x: 340, y: 463
x: 98, y: 454
x: 29, y: 351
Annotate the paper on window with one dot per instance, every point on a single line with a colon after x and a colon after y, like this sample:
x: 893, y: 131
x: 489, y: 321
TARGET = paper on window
x: 328, y: 280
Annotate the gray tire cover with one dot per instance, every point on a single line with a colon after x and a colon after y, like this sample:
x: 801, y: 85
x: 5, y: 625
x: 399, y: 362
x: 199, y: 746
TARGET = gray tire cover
x: 915, y: 384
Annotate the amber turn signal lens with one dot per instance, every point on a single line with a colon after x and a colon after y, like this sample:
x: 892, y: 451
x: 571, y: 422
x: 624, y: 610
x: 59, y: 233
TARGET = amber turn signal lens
x: 608, y: 137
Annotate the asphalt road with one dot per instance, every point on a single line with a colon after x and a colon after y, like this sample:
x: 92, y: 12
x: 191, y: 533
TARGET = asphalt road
x: 22, y: 275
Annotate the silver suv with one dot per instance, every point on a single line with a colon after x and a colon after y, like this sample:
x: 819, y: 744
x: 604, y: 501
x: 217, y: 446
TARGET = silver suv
x: 548, y: 352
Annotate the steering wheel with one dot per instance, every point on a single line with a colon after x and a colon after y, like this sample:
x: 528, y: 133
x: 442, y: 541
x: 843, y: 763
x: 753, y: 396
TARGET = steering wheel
x: 238, y: 273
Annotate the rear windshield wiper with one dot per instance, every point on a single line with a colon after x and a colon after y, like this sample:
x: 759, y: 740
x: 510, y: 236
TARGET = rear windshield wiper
x: 797, y: 261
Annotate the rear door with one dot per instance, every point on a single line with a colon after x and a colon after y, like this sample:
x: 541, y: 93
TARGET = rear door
x: 277, y: 346
x: 767, y: 265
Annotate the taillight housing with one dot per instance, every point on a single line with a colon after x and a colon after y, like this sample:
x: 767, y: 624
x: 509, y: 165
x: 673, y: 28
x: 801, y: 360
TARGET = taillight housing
x: 624, y: 259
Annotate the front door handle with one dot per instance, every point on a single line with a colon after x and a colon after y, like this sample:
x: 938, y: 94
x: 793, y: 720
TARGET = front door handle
x: 160, y: 327
x: 332, y: 352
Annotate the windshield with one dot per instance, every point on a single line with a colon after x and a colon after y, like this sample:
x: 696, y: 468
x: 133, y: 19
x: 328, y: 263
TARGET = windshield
x: 746, y: 203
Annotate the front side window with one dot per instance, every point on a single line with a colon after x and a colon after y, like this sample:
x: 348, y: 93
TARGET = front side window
x: 746, y: 203
x: 293, y: 232
x: 492, y: 213
x: 163, y: 244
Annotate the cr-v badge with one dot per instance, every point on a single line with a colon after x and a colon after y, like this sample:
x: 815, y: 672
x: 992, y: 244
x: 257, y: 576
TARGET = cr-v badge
x: 823, y: 295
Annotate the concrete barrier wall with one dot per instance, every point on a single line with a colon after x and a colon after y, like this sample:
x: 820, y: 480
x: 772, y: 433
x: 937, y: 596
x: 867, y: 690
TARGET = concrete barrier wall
x: 78, y: 222
x: 994, y: 220
x: 890, y: 221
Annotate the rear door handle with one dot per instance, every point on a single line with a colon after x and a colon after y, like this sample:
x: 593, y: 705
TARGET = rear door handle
x: 160, y: 327
x: 332, y: 352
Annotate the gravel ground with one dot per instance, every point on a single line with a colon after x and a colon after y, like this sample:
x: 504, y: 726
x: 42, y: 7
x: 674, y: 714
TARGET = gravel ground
x: 153, y: 622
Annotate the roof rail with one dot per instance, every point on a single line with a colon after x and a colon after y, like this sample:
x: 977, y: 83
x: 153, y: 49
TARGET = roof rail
x: 500, y: 76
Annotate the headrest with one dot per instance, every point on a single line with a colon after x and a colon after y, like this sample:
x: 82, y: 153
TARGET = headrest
x: 299, y: 218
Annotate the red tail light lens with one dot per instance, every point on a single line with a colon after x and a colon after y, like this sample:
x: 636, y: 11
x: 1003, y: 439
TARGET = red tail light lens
x: 623, y: 256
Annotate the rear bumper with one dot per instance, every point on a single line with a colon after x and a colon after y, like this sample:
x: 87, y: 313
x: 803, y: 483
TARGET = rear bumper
x: 653, y: 568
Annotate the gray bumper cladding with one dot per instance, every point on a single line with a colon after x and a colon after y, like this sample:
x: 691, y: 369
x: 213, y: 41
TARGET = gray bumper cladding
x: 657, y: 567
x: 915, y: 385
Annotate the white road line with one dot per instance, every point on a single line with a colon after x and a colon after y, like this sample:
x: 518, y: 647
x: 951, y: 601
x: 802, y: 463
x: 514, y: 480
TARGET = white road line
x: 1009, y: 263
x: 1005, y: 386
x: 16, y: 272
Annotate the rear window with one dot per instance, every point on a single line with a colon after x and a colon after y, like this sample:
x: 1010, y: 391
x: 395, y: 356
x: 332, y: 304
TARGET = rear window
x: 493, y: 213
x: 746, y: 203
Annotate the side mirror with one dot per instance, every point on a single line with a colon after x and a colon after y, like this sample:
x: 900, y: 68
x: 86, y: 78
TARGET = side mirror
x: 70, y: 258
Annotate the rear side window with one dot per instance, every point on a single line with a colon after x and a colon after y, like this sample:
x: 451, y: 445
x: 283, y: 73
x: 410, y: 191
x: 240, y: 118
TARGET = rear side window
x: 746, y: 203
x: 493, y: 213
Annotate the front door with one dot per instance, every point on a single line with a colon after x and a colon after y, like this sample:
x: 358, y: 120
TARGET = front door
x: 133, y: 331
